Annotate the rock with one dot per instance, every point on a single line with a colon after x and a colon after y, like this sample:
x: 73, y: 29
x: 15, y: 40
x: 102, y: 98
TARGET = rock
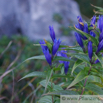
x: 32, y: 17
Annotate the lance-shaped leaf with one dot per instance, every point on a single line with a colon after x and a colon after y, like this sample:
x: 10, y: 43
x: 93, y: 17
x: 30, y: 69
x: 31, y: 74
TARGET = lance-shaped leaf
x: 77, y: 63
x: 41, y: 57
x: 35, y: 74
x: 94, y: 40
x: 62, y: 92
x: 45, y: 99
x: 81, y: 76
x: 101, y: 61
x: 62, y: 59
x: 82, y: 57
x: 76, y: 48
x: 97, y: 7
x: 48, y: 77
x: 94, y: 88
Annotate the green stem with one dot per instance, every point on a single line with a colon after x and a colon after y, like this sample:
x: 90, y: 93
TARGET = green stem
x: 52, y: 88
x: 85, y: 84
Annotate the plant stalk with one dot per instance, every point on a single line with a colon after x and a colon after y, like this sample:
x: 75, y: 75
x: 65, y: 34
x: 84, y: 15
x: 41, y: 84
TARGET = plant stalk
x: 85, y: 84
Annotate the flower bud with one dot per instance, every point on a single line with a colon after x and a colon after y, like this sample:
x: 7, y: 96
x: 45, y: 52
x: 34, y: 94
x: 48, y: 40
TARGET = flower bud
x: 79, y: 40
x: 90, y: 50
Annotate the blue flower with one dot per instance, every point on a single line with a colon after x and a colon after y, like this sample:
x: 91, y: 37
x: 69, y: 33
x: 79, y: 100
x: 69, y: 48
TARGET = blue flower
x: 62, y: 53
x: 100, y: 23
x: 85, y: 28
x: 46, y: 52
x: 80, y: 24
x: 66, y: 63
x: 79, y: 18
x: 101, y: 36
x: 90, y: 50
x: 79, y: 40
x: 52, y: 33
x: 56, y: 46
x: 97, y: 61
x: 100, y: 46
x: 66, y: 66
x: 43, y: 45
x: 92, y: 34
x: 93, y: 21
x: 82, y: 28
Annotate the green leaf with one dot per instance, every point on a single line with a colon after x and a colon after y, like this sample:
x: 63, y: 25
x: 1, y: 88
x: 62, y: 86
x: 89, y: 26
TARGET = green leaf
x: 79, y: 49
x: 57, y: 88
x: 80, y: 76
x: 48, y: 77
x: 34, y: 92
x: 42, y: 57
x: 43, y: 83
x: 62, y: 92
x: 99, y: 59
x: 63, y: 46
x: 77, y: 63
x: 97, y: 7
x: 45, y: 99
x: 59, y: 76
x: 94, y: 88
x: 49, y: 45
x: 37, y: 44
x: 62, y: 58
x: 34, y: 74
x: 98, y: 84
x: 82, y: 57
x: 94, y: 40
x: 93, y: 78
x: 62, y: 70
x: 58, y: 68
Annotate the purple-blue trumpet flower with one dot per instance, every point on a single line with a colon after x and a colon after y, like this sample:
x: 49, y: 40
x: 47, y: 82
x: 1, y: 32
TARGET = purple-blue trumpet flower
x: 85, y: 28
x: 63, y: 54
x: 82, y: 28
x: 80, y: 22
x: 79, y: 40
x: 92, y: 34
x: 101, y: 36
x: 52, y: 33
x: 100, y: 46
x: 93, y: 21
x: 90, y: 50
x: 78, y: 27
x: 97, y: 61
x: 46, y: 52
x: 66, y: 66
x: 100, y: 23
x: 66, y: 63
x: 56, y: 46
x: 79, y: 18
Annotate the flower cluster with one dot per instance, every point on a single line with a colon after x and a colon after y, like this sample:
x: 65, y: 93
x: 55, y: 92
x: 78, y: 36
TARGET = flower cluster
x: 50, y: 49
x: 100, y: 26
x: 47, y: 47
x: 84, y: 27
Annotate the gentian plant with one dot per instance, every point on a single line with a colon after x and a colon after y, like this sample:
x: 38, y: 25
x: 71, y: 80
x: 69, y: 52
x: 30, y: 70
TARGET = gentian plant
x: 79, y: 72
